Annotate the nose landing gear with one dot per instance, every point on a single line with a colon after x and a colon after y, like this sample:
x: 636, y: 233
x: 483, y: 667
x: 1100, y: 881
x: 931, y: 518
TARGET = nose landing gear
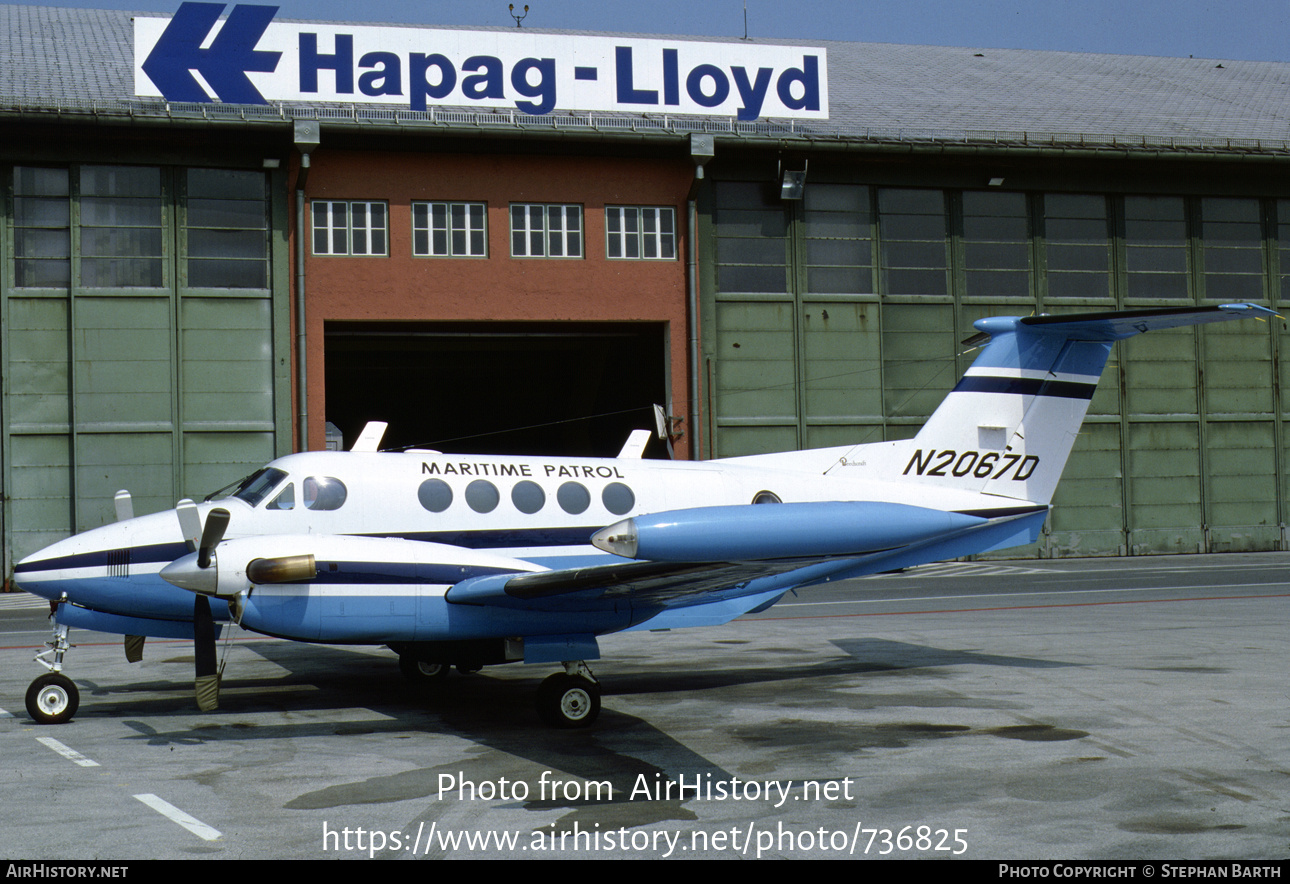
x: 53, y: 697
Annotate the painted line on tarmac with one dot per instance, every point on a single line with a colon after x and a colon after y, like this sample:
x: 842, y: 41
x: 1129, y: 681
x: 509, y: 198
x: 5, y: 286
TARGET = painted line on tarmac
x: 1202, y: 598
x: 67, y: 752
x: 1004, y: 595
x: 175, y: 815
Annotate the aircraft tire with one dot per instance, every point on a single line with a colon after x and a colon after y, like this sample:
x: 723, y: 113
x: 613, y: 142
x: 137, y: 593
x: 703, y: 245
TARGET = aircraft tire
x: 568, y: 701
x: 52, y: 699
x: 422, y: 672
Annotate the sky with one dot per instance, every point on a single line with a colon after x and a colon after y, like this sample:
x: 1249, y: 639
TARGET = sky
x: 1256, y: 30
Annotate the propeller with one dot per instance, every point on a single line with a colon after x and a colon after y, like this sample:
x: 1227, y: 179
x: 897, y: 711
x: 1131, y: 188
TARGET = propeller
x: 202, y: 540
x: 199, y: 572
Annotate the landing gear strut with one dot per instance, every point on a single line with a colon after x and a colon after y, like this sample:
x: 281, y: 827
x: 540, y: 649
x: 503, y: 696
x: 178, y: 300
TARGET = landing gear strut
x: 53, y: 697
x: 570, y: 698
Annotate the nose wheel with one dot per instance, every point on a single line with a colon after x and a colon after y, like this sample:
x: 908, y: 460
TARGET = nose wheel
x: 52, y: 699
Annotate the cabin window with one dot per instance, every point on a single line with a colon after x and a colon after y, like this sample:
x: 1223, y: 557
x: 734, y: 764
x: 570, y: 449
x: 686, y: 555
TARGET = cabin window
x: 256, y: 487
x: 286, y: 500
x: 324, y: 493
x: 528, y: 497
x: 482, y: 496
x: 618, y: 498
x: 573, y: 497
x: 435, y: 495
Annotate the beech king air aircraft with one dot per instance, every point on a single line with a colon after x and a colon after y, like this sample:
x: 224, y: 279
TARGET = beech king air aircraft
x: 476, y: 560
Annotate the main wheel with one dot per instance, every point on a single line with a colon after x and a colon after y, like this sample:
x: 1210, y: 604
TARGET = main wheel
x: 52, y: 699
x: 420, y: 671
x: 568, y: 700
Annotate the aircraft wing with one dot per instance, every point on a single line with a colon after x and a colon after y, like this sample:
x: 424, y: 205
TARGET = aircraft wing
x: 649, y: 584
x: 755, y: 551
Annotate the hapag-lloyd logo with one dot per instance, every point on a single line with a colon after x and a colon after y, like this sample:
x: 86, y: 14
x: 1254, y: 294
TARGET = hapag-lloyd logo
x: 251, y: 59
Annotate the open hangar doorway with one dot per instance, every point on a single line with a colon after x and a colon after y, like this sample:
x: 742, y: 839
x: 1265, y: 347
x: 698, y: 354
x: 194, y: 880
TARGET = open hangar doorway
x: 542, y: 388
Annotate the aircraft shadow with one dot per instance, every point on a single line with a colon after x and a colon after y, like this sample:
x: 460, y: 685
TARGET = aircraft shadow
x: 902, y: 655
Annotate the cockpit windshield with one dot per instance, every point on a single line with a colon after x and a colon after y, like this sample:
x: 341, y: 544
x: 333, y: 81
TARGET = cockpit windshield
x: 255, y: 487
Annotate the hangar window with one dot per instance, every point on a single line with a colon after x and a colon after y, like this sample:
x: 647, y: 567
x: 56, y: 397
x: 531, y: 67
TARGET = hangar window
x: 42, y: 244
x: 323, y: 493
x: 121, y: 242
x: 546, y: 231
x: 751, y: 228
x: 1232, y: 233
x: 640, y: 232
x: 574, y: 498
x: 1155, y: 245
x: 449, y: 230
x: 1077, y: 243
x: 226, y: 230
x: 915, y: 240
x: 838, y: 224
x: 350, y: 228
x: 996, y: 244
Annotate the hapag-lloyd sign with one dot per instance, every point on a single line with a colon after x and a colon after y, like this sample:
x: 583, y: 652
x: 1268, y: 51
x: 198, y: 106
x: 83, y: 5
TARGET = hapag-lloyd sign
x: 250, y: 59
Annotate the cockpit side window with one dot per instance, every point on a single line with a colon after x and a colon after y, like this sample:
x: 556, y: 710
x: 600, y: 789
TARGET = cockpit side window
x: 256, y: 487
x: 323, y: 493
x: 286, y: 500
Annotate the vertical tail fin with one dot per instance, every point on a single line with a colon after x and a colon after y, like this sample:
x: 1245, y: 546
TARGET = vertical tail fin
x: 1007, y: 428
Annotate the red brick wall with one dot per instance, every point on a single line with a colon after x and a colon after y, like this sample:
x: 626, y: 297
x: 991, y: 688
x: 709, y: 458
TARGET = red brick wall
x: 403, y: 287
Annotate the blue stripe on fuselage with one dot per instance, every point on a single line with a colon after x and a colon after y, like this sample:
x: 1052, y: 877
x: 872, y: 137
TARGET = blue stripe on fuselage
x: 138, y: 555
x: 502, y: 538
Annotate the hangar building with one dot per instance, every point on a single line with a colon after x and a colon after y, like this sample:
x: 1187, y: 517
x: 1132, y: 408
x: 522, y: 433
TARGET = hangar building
x: 782, y: 243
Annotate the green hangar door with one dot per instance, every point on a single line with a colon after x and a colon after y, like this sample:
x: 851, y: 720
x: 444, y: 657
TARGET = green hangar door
x: 566, y: 388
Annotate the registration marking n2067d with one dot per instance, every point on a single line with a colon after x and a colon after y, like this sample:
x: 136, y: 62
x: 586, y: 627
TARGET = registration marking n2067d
x: 991, y: 465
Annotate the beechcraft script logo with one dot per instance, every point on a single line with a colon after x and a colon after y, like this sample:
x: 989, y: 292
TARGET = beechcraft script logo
x: 224, y: 64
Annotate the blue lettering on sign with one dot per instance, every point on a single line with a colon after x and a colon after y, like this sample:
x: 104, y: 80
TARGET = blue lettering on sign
x: 224, y: 65
x: 708, y: 85
x: 336, y: 69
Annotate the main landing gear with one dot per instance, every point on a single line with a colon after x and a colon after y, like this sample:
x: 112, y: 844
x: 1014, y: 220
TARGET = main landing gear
x: 53, y: 697
x: 567, y: 699
x: 570, y: 698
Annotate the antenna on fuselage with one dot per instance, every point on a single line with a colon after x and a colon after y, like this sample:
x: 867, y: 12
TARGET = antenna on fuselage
x: 370, y: 438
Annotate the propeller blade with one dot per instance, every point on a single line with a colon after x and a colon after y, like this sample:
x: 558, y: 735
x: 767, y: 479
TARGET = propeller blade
x: 212, y: 534
x: 134, y: 648
x: 190, y: 522
x: 207, y: 678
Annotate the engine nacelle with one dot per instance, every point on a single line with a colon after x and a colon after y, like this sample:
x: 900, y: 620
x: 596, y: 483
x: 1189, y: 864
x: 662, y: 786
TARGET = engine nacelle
x: 338, y: 588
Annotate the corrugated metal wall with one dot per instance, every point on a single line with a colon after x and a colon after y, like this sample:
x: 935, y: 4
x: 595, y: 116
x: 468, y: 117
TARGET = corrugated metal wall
x: 837, y: 319
x: 139, y: 332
